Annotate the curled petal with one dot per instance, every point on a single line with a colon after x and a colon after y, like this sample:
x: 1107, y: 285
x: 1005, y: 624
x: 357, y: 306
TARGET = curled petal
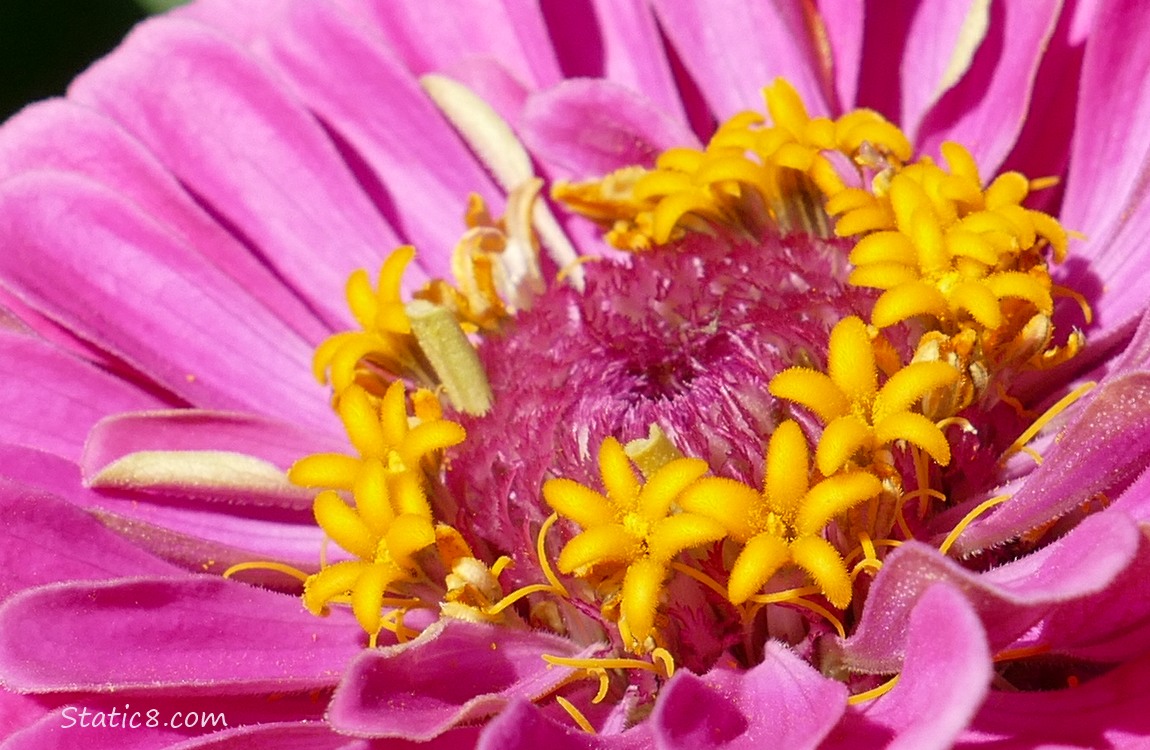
x: 833, y: 496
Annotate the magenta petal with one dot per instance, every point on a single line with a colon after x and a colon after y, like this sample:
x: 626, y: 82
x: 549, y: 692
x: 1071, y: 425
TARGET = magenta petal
x: 199, y: 535
x: 845, y: 22
x: 426, y: 169
x: 277, y: 443
x: 1111, y: 145
x: 944, y: 680
x: 197, y: 634
x: 136, y: 303
x: 782, y: 702
x: 522, y: 726
x: 733, y: 54
x: 434, y: 36
x: 454, y: 672
x: 632, y: 52
x: 44, y: 540
x: 587, y: 128
x: 985, y: 110
x: 100, y: 150
x: 931, y: 42
x: 268, y: 169
x: 1102, y: 451
x: 1108, y: 627
x: 51, y: 398
x: 1010, y: 599
x: 1106, y: 712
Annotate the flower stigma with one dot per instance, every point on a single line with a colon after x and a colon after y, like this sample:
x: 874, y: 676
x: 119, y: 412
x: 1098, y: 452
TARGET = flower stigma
x: 708, y: 440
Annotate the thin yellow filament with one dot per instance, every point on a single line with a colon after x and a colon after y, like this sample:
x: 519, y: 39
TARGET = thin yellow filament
x: 604, y: 684
x: 981, y: 508
x: 612, y: 663
x: 292, y: 571
x: 518, y: 594
x: 870, y: 695
x: 544, y: 563
x: 1023, y: 652
x: 702, y: 578
x: 575, y: 714
x: 1029, y: 433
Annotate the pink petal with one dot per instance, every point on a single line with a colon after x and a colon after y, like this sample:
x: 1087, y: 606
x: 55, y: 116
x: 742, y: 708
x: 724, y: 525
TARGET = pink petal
x: 845, y: 22
x: 1043, y: 145
x: 50, y: 399
x: 136, y: 303
x: 1102, y: 451
x: 1111, y: 148
x: 454, y: 672
x: 733, y: 54
x: 584, y: 128
x: 435, y: 36
x: 281, y: 443
x: 195, y: 535
x: 782, y: 702
x: 1108, y: 627
x: 632, y: 52
x: 46, y: 540
x: 425, y: 169
x: 941, y: 685
x: 268, y: 170
x: 985, y: 110
x: 198, y: 634
x: 932, y: 42
x: 522, y: 726
x: 1010, y: 599
x: 1106, y: 712
x: 58, y: 134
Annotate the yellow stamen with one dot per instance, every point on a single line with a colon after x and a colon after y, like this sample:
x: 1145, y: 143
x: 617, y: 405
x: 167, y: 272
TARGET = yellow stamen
x: 659, y: 666
x: 969, y: 518
x: 1023, y: 652
x: 290, y: 570
x: 701, y: 577
x: 1030, y: 432
x: 575, y: 714
x: 870, y: 695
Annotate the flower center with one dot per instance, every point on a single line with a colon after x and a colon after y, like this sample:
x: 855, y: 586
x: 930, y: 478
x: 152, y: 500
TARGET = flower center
x: 812, y: 331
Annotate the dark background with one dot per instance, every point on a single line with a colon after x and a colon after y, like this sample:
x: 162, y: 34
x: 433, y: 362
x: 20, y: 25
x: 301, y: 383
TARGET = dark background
x: 45, y: 43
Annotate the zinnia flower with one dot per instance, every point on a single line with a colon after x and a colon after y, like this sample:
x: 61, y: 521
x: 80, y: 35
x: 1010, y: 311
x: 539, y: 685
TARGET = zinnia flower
x: 771, y: 374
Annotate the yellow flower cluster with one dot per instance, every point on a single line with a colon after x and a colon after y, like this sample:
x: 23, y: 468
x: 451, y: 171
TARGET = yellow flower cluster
x: 391, y: 519
x: 964, y: 266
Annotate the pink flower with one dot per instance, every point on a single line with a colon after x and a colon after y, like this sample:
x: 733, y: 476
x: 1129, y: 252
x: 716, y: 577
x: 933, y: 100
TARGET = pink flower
x: 179, y: 232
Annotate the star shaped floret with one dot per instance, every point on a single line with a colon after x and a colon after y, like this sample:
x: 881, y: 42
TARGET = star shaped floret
x: 631, y: 527
x: 783, y: 524
x: 860, y: 416
x: 391, y: 519
x: 386, y: 340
